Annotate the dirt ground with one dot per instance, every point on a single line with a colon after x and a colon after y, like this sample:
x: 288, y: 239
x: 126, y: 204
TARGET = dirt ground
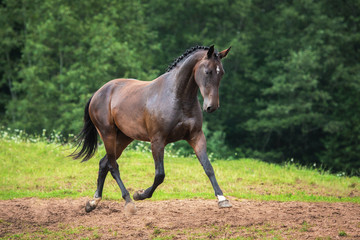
x: 178, y: 219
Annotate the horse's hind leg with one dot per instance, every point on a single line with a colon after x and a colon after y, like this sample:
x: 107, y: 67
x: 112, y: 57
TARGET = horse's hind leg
x: 122, y: 141
x: 103, y: 171
x: 114, y: 148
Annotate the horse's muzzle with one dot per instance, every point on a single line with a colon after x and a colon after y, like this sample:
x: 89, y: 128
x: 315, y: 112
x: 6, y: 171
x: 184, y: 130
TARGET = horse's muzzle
x: 211, y: 109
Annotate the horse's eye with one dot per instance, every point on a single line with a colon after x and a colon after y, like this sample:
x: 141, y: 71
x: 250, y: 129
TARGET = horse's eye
x: 208, y: 72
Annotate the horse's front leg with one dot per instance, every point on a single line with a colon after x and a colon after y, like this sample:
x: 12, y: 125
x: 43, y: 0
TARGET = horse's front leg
x: 157, y: 148
x: 198, y: 143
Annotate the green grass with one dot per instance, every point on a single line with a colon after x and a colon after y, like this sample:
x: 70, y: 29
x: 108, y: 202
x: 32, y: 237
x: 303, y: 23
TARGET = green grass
x: 64, y: 232
x: 42, y: 170
x: 342, y: 234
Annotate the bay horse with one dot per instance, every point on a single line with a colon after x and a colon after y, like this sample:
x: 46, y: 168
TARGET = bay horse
x: 160, y: 111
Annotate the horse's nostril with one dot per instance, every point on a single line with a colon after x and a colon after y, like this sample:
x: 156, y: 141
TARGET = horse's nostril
x: 209, y: 109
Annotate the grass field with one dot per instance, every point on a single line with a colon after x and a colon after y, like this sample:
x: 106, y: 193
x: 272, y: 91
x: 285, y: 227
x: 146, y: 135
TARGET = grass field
x: 43, y: 170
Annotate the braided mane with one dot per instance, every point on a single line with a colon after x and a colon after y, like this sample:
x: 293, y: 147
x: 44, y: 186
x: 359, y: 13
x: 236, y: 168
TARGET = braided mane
x: 184, y: 55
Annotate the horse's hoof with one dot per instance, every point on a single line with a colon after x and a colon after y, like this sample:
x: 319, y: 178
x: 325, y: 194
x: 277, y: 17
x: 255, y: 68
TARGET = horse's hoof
x: 130, y: 208
x: 89, y: 207
x: 224, y: 204
x: 137, y: 195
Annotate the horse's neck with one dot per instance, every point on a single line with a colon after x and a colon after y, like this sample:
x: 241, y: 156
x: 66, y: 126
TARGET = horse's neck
x: 184, y: 81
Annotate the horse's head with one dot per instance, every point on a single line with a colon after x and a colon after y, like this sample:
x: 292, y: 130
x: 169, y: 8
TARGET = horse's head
x: 208, y: 73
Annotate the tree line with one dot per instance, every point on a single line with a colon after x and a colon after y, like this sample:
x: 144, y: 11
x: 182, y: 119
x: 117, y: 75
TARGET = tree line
x: 291, y: 88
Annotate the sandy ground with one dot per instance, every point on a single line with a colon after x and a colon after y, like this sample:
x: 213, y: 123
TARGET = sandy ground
x: 179, y: 219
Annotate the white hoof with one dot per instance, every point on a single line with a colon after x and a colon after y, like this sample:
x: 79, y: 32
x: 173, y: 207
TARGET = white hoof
x: 223, y: 202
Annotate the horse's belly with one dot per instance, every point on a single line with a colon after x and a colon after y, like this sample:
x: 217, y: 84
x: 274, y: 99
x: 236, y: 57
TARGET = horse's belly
x: 132, y: 126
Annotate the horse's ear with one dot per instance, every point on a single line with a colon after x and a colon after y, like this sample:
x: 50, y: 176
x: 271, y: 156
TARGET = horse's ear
x: 223, y: 54
x: 210, y: 51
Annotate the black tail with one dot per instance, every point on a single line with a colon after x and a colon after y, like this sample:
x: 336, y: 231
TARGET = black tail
x: 87, y: 138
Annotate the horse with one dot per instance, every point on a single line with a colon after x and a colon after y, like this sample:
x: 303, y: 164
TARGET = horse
x: 160, y: 111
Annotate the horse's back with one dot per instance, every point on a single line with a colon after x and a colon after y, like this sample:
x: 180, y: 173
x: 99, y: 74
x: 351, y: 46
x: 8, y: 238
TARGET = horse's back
x: 118, y: 90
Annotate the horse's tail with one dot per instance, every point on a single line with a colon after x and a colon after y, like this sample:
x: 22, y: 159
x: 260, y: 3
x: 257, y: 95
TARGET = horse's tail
x: 87, y: 138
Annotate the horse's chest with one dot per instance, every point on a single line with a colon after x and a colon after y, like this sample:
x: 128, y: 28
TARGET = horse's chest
x: 182, y: 130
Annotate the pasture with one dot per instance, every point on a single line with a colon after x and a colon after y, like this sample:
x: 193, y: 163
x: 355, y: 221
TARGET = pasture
x: 43, y: 193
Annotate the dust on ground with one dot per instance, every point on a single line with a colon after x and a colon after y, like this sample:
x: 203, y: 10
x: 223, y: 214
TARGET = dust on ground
x: 178, y: 219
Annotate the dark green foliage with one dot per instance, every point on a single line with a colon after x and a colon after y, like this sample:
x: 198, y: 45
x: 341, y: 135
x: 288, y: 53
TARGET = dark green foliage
x: 292, y: 82
x: 68, y: 50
